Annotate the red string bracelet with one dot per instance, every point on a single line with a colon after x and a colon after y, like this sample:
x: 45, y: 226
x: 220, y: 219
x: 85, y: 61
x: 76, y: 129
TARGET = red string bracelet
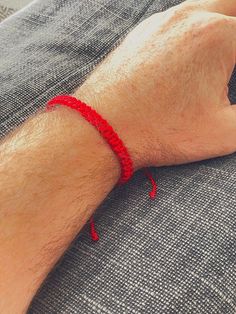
x: 110, y: 136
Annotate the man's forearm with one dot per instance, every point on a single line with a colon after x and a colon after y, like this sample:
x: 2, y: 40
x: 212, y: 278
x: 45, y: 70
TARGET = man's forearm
x: 54, y: 172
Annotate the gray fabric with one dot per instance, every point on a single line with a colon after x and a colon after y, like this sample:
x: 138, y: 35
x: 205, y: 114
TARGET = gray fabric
x: 176, y: 254
x: 8, y: 7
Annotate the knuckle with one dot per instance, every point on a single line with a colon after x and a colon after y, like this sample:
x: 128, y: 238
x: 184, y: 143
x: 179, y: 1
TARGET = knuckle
x: 185, y: 8
x: 208, y: 26
x: 179, y: 13
x: 214, y: 21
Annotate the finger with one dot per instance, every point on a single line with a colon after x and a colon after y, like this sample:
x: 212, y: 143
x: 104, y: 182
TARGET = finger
x: 227, y: 7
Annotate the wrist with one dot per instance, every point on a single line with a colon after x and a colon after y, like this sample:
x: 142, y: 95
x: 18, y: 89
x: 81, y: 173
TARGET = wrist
x: 129, y: 127
x: 82, y: 143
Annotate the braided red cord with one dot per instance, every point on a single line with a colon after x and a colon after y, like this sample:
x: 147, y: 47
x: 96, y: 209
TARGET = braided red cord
x: 112, y: 139
x: 103, y: 127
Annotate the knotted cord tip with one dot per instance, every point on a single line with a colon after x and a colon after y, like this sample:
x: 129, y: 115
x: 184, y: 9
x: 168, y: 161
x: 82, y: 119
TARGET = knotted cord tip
x: 152, y: 194
x: 148, y: 174
x: 94, y: 236
x: 93, y: 233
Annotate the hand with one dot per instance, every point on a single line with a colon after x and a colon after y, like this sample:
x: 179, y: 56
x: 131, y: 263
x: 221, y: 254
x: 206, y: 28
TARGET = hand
x: 164, y: 90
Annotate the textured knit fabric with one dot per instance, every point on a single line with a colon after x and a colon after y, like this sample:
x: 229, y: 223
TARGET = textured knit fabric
x: 8, y: 7
x: 174, y: 254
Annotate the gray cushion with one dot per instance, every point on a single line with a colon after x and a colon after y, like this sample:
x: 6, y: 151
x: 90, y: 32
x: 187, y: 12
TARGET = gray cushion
x: 174, y: 254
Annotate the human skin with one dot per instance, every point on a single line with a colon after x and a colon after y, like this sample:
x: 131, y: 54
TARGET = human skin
x: 164, y: 91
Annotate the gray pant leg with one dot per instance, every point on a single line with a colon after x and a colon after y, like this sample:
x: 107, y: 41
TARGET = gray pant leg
x: 176, y: 254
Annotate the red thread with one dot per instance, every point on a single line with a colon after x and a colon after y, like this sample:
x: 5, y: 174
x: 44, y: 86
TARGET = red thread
x: 154, y: 185
x: 93, y: 232
x: 112, y: 139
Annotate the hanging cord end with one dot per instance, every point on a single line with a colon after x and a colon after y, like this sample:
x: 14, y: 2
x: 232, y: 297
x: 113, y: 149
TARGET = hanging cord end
x: 153, y: 192
x: 93, y: 232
